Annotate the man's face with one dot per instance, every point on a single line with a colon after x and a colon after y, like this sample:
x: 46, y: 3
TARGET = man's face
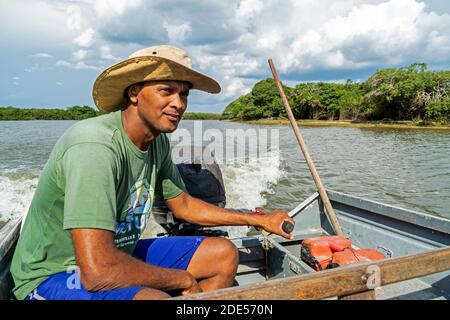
x: 161, y: 104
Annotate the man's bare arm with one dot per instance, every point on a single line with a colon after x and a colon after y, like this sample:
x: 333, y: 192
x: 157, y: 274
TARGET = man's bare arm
x: 104, y: 267
x: 199, y: 212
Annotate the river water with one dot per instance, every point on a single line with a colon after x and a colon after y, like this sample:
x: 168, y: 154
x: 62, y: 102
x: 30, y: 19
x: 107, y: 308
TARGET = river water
x: 405, y: 168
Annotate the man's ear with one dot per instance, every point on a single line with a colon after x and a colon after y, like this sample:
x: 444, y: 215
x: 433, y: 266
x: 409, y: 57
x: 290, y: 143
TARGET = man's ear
x: 133, y: 92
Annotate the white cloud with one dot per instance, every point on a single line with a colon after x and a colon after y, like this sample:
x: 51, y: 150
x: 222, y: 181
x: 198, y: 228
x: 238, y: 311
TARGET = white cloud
x: 105, y: 53
x: 43, y: 55
x: 33, y: 68
x: 177, y: 32
x: 248, y: 8
x: 269, y: 41
x: 86, y: 39
x: 115, y: 7
x: 79, y: 54
x: 33, y: 26
x: 383, y: 30
x: 80, y: 65
x: 236, y: 87
x: 364, y: 35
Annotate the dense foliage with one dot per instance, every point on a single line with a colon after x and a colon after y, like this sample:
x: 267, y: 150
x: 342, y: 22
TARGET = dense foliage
x: 73, y: 113
x: 77, y: 113
x: 412, y: 93
x: 202, y: 116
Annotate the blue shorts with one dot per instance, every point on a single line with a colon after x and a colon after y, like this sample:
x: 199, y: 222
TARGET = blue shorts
x: 170, y: 252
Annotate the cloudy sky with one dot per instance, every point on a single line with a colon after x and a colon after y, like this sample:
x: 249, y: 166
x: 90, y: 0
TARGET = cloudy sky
x: 52, y: 51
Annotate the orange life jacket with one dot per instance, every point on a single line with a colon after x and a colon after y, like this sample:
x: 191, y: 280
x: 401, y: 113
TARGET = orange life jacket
x: 332, y: 251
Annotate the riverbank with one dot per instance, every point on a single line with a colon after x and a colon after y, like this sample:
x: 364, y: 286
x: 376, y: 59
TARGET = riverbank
x: 397, y: 125
x: 76, y: 113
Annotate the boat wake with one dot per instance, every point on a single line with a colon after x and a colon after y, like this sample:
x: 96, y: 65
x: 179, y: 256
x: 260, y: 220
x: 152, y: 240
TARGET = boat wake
x: 248, y: 181
x: 17, y: 189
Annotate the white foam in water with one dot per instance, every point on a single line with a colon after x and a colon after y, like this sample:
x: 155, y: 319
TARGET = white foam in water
x: 246, y: 181
x: 16, y: 195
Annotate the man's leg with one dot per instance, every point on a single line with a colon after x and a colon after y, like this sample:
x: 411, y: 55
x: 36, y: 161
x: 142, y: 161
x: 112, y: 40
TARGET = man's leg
x: 214, y: 264
x: 212, y: 261
x: 151, y: 294
x: 67, y: 286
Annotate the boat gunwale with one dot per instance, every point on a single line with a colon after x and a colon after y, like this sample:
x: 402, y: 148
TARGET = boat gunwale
x: 425, y: 220
x: 304, y: 204
x: 347, y: 275
x: 9, y: 233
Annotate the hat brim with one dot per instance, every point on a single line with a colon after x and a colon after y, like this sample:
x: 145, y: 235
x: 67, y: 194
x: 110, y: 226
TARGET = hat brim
x: 109, y: 87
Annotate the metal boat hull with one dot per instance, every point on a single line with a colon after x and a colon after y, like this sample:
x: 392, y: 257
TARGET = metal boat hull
x: 391, y: 230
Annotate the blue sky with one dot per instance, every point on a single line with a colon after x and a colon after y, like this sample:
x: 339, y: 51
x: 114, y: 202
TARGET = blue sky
x: 52, y: 51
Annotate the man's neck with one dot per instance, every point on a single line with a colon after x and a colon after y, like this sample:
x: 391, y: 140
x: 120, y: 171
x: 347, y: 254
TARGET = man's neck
x: 138, y: 132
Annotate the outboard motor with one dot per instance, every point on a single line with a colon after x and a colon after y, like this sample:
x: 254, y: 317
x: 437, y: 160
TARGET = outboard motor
x: 203, y: 181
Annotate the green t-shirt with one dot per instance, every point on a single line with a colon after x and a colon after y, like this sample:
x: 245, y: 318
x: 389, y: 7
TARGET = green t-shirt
x: 95, y: 178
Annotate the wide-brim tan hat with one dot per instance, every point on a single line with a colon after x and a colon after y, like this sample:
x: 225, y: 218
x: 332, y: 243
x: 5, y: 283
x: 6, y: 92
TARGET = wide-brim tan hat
x: 152, y: 63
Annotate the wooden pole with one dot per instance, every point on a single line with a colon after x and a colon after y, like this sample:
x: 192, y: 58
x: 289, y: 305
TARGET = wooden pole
x: 342, y: 281
x: 320, y: 188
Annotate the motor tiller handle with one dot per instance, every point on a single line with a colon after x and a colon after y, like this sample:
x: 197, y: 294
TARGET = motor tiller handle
x: 287, y: 227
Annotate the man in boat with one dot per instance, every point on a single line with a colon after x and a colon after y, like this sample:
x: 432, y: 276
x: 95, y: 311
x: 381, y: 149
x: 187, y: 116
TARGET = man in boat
x: 96, y: 191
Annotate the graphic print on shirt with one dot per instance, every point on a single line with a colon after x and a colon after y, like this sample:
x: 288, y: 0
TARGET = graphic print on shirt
x: 134, y: 218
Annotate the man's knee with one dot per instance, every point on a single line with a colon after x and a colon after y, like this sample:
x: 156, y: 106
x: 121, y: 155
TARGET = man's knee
x: 229, y: 255
x: 151, y: 294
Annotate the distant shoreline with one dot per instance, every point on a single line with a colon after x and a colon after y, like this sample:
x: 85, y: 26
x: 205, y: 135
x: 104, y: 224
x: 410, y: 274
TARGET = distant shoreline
x: 11, y: 113
x: 84, y: 112
x: 406, y: 125
x: 395, y: 125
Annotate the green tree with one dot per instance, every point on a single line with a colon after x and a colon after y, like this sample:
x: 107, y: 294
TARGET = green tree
x: 74, y: 113
x: 80, y: 113
x: 267, y: 98
x: 393, y: 93
x: 262, y: 102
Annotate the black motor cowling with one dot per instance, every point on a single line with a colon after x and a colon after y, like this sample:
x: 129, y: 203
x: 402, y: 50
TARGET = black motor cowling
x: 203, y: 181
